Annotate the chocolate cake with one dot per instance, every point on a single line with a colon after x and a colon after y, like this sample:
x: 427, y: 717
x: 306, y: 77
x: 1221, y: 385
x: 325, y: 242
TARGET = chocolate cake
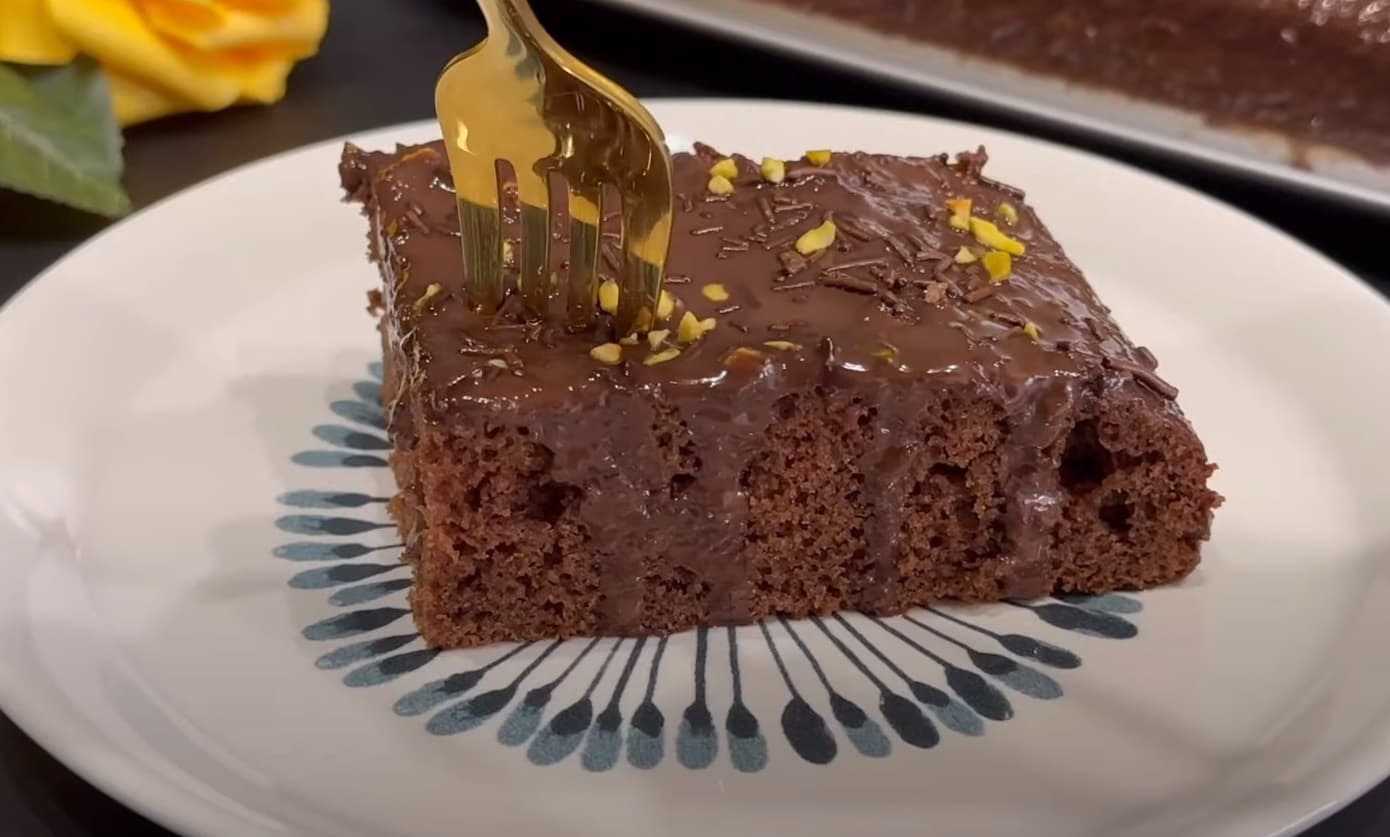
x: 874, y: 383
x: 1315, y: 72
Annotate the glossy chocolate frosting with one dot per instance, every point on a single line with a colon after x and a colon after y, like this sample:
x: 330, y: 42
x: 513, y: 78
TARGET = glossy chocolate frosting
x: 1315, y: 71
x: 886, y: 311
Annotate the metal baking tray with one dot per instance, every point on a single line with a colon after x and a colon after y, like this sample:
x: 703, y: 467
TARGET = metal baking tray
x: 1267, y: 156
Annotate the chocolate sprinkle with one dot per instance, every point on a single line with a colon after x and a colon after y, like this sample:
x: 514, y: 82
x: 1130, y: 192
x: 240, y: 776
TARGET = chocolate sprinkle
x: 1143, y: 376
x: 853, y: 263
x: 765, y: 206
x: 853, y: 229
x: 981, y: 294
x: 897, y: 245
x: 849, y: 283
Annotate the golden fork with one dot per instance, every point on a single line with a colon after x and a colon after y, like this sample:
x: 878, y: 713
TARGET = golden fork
x: 519, y: 97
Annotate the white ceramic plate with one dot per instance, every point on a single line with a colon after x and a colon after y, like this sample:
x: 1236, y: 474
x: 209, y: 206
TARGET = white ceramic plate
x: 201, y: 611
x: 1261, y: 154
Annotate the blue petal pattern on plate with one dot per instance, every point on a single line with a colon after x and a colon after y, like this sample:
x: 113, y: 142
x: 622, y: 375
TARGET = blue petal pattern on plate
x: 828, y: 686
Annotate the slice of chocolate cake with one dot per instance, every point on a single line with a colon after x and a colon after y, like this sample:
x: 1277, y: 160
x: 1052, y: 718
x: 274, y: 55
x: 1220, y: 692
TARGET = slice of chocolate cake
x: 873, y: 384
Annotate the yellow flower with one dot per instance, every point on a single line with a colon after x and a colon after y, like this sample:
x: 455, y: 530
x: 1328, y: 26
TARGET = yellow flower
x: 169, y: 56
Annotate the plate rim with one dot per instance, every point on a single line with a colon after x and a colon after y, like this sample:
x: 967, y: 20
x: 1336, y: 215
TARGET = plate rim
x: 123, y: 776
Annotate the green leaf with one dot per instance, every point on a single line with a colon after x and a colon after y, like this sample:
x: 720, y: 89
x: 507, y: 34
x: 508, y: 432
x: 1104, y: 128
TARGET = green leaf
x: 58, y: 137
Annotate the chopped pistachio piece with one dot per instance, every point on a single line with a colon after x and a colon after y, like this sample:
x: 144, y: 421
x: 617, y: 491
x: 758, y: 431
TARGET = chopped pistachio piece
x: 720, y: 185
x: 665, y: 305
x: 990, y: 235
x: 740, y: 354
x: 630, y: 340
x: 692, y: 328
x: 608, y: 297
x: 1033, y: 332
x: 818, y: 157
x: 774, y: 170
x: 782, y: 345
x: 657, y: 337
x: 815, y: 240
x: 1008, y: 213
x: 498, y: 362
x: 725, y: 168
x: 960, y: 213
x: 689, y: 329
x: 964, y: 256
x: 887, y: 353
x: 715, y: 292
x: 998, y: 264
x: 644, y: 320
x: 607, y: 353
x: 661, y: 356
x: 433, y: 290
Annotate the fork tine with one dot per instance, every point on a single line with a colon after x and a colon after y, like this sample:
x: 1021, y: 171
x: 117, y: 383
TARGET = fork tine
x: 581, y: 291
x: 478, y: 189
x: 644, y: 254
x: 534, y: 280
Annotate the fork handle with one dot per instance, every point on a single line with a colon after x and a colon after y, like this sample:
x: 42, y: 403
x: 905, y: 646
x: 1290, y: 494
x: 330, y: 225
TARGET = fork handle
x: 509, y: 16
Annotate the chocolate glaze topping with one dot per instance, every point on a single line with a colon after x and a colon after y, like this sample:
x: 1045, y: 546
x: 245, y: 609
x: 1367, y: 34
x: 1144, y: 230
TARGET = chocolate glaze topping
x: 885, y: 311
x: 1315, y: 71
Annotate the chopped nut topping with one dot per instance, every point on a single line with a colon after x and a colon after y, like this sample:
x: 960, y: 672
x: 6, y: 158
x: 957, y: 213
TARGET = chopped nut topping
x: 715, y: 292
x: 607, y: 353
x: 661, y: 356
x: 818, y: 157
x: 691, y: 328
x: 964, y: 256
x: 665, y: 304
x: 782, y: 345
x: 813, y: 241
x: 1008, y: 213
x: 740, y: 354
x: 720, y: 185
x: 998, y: 264
x: 937, y: 291
x: 774, y: 170
x: 432, y: 291
x: 498, y: 362
x: 508, y: 253
x: 960, y: 213
x: 725, y: 168
x: 657, y: 337
x: 887, y: 353
x: 1031, y: 329
x: 644, y: 320
x: 630, y: 340
x: 608, y: 297
x: 989, y: 235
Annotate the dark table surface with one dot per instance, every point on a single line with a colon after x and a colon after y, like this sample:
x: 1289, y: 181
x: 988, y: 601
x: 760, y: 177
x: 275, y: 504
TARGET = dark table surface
x: 377, y: 68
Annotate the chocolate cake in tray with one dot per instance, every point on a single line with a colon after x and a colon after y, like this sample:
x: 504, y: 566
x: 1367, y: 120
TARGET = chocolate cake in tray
x: 874, y: 383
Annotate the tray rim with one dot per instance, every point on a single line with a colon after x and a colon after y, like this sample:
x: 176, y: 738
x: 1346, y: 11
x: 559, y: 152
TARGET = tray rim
x: 728, y: 18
